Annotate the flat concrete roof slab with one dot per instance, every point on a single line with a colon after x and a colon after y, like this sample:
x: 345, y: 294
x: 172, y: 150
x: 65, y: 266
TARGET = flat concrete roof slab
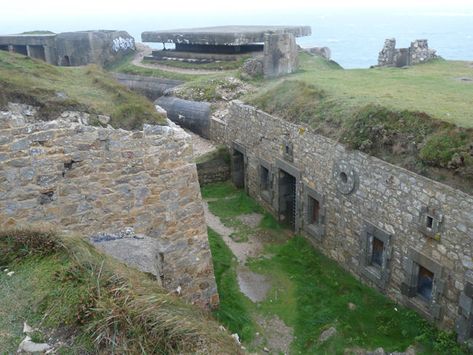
x: 222, y: 35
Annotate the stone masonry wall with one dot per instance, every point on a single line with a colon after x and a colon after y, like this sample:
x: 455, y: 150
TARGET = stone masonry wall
x: 360, y: 197
x: 89, y: 180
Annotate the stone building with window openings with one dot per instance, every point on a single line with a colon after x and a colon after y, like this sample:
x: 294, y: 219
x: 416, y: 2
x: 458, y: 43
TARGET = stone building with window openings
x: 406, y: 235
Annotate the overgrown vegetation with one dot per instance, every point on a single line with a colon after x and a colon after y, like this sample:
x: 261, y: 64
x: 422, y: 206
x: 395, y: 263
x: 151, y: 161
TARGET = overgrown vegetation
x: 95, y: 304
x: 57, y: 89
x: 311, y: 293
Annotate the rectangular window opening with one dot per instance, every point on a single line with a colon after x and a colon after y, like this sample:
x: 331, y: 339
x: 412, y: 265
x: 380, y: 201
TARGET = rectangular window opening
x: 430, y: 222
x: 264, y: 182
x: 425, y: 282
x: 377, y: 253
x: 314, y: 211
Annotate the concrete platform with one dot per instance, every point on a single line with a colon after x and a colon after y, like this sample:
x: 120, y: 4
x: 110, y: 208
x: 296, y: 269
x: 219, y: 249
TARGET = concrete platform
x: 222, y: 35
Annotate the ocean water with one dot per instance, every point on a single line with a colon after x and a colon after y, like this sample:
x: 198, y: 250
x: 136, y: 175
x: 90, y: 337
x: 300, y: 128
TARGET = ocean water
x: 354, y: 37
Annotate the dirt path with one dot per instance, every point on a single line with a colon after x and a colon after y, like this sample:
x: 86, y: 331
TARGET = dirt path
x: 276, y: 336
x: 143, y: 50
x: 243, y: 250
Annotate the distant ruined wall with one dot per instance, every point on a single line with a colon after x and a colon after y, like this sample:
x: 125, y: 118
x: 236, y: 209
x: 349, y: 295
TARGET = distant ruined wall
x: 89, y: 180
x: 382, y: 223
x: 418, y: 52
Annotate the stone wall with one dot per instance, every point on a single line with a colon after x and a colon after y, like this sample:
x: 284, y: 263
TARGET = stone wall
x: 393, y: 229
x: 214, y: 170
x: 89, y: 180
x: 418, y: 52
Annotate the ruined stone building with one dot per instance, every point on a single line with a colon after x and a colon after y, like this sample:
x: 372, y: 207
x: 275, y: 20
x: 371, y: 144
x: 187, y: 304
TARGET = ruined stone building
x: 225, y: 43
x: 99, y: 181
x: 71, y: 48
x: 401, y: 233
x: 418, y: 52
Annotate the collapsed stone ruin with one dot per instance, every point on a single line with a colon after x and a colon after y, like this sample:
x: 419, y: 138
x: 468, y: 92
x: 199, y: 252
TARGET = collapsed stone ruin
x: 136, y: 193
x: 418, y: 52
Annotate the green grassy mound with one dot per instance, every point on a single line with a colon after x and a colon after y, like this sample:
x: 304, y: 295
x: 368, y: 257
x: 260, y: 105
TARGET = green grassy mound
x: 412, y: 139
x: 57, y: 89
x: 93, y: 303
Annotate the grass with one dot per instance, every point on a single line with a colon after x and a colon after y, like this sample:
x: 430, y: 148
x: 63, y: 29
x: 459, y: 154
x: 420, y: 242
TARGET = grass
x: 216, y: 65
x: 311, y: 292
x: 68, y: 290
x: 234, y: 307
x: 126, y: 66
x: 57, y: 89
x: 419, y: 118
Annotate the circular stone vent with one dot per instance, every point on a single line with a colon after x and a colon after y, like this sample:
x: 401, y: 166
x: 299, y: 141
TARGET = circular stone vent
x: 345, y: 177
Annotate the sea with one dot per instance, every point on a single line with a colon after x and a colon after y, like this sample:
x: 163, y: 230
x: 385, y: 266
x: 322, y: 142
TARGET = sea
x: 354, y: 37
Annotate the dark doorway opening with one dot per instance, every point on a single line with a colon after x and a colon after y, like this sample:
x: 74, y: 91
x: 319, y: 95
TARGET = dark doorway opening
x: 287, y: 199
x: 66, y: 61
x: 238, y: 169
x: 37, y: 52
x: 20, y: 49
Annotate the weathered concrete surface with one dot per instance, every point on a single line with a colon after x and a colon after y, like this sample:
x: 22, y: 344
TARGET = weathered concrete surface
x: 380, y: 199
x: 192, y: 115
x: 150, y: 87
x: 280, y: 55
x: 89, y: 180
x: 222, y: 35
x: 72, y: 48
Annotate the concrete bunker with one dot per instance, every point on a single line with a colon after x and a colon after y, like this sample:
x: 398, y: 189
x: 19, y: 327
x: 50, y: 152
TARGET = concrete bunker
x: 20, y: 49
x: 192, y: 115
x: 274, y: 46
x: 37, y: 52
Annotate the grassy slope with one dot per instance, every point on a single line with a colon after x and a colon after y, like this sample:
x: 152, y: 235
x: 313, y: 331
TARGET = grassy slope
x: 61, y: 284
x: 55, y: 89
x: 125, y: 66
x: 311, y: 293
x: 417, y: 118
x: 433, y: 87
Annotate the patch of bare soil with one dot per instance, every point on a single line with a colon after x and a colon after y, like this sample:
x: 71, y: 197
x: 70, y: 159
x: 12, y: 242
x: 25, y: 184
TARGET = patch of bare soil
x: 278, y: 335
x: 252, y: 285
x: 251, y: 220
x: 242, y: 250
